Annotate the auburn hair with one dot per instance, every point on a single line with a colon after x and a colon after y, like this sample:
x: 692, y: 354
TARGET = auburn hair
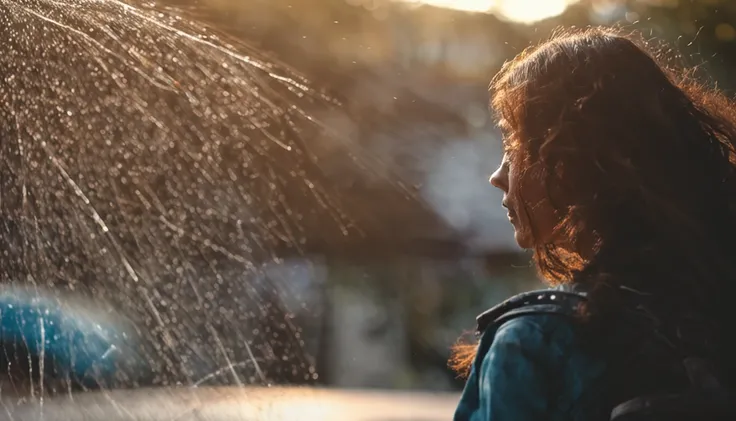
x: 638, y: 154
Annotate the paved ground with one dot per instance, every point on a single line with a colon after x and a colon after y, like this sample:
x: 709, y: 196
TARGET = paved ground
x: 233, y: 404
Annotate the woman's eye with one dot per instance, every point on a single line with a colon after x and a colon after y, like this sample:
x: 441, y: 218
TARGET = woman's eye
x: 508, y: 151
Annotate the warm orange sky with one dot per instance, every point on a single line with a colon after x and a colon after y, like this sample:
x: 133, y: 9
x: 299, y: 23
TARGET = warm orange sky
x: 524, y: 11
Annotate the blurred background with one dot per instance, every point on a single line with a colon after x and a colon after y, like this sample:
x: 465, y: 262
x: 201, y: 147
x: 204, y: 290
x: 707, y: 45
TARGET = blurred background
x: 397, y: 241
x: 417, y: 73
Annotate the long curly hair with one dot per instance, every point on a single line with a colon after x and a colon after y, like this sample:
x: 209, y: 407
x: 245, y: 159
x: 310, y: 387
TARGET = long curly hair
x: 638, y: 156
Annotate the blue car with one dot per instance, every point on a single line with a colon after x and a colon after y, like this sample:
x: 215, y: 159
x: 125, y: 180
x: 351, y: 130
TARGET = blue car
x: 61, y: 338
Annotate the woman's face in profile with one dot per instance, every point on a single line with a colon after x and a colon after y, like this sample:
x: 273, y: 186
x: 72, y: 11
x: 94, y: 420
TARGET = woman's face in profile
x: 530, y: 211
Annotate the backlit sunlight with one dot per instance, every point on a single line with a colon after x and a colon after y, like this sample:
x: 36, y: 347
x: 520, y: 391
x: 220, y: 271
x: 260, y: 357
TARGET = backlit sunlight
x: 522, y: 11
x: 467, y: 5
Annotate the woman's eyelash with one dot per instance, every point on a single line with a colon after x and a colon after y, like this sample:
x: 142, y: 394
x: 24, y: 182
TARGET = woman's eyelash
x: 507, y: 148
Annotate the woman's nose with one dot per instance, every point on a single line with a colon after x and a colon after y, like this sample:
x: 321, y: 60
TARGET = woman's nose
x: 500, y: 179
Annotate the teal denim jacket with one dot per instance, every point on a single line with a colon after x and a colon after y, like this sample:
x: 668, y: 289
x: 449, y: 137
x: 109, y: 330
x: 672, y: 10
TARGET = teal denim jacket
x: 532, y: 368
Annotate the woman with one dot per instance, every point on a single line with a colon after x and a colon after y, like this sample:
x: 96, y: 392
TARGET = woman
x: 620, y: 174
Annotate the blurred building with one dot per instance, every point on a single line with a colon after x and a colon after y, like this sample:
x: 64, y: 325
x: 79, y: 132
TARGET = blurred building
x: 383, y: 309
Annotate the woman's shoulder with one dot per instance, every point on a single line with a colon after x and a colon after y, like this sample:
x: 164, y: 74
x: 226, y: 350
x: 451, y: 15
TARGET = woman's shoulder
x: 538, y: 327
x: 535, y: 337
x: 530, y: 362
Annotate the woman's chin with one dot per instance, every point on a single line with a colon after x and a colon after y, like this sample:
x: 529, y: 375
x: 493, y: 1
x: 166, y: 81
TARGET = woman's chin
x: 523, y: 240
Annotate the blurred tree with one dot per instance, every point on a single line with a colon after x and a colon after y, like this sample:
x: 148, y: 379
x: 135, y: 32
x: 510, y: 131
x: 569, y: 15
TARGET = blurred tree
x: 701, y: 32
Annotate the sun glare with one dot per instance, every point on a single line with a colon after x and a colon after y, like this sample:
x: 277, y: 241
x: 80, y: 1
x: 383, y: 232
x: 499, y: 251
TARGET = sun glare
x: 529, y: 11
x: 467, y: 5
x: 523, y: 11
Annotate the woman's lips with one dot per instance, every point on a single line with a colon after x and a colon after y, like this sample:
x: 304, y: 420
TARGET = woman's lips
x: 509, y: 213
